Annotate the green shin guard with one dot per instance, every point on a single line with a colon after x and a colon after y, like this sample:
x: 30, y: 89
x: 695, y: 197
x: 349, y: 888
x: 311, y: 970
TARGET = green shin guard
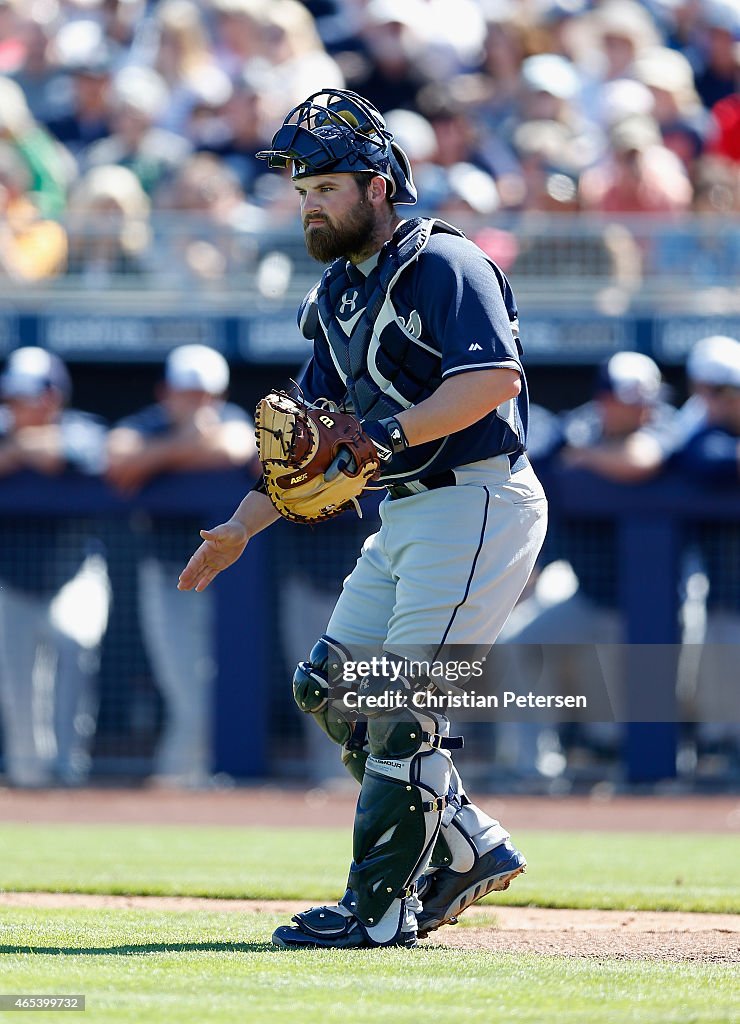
x: 390, y: 839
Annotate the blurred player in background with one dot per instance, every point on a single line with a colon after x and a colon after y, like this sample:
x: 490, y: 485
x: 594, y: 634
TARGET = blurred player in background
x: 623, y: 435
x: 711, y: 456
x: 54, y: 590
x: 190, y: 428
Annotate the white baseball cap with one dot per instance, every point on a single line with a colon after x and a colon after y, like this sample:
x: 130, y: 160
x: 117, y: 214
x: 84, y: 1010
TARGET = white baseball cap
x: 631, y: 377
x: 715, y: 360
x: 551, y: 73
x: 196, y: 368
x: 30, y: 371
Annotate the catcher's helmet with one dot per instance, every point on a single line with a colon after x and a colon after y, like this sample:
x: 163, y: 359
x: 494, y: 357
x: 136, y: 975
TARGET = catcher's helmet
x: 335, y: 131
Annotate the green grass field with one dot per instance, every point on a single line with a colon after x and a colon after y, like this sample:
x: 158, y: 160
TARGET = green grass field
x: 147, y: 967
x: 588, y: 869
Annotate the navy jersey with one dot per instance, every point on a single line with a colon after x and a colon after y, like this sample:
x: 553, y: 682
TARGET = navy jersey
x: 169, y: 538
x: 449, y: 311
x: 591, y: 545
x: 711, y: 456
x: 38, y: 554
x: 154, y: 421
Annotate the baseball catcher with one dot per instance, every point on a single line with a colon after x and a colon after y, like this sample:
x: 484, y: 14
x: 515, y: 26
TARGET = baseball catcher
x: 415, y: 384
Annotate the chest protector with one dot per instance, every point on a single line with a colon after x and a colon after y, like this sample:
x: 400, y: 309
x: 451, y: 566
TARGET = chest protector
x: 384, y: 366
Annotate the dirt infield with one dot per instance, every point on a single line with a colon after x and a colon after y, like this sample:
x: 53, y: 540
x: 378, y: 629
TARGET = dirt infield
x: 270, y: 805
x: 593, y: 934
x: 596, y: 934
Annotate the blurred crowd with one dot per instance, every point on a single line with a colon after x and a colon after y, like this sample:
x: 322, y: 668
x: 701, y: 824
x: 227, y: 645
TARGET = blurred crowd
x: 117, y: 115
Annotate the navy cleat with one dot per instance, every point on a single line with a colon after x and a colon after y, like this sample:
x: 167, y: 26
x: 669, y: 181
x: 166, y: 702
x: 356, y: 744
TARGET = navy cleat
x: 336, y: 927
x: 445, y: 894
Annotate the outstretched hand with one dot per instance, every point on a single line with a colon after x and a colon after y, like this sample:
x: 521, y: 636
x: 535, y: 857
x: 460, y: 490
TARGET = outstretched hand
x: 221, y: 547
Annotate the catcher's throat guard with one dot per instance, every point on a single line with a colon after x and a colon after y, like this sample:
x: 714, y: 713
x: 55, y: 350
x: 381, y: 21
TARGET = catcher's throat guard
x: 316, y: 460
x: 336, y: 131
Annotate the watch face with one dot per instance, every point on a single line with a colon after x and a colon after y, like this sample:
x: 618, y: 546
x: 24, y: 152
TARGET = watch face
x: 395, y: 435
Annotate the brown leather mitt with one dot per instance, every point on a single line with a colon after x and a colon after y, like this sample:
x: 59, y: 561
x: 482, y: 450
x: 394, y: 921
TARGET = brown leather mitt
x: 316, y: 462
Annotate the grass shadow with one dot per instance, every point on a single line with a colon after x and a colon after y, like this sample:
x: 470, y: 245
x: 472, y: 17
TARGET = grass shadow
x: 148, y: 947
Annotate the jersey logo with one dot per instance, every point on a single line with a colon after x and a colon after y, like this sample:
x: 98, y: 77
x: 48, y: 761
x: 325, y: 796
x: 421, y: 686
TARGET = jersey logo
x: 349, y: 301
x: 475, y: 347
x: 412, y: 324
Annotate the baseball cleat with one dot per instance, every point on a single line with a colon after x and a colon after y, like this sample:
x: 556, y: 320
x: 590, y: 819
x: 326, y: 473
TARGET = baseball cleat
x: 333, y: 928
x: 446, y: 893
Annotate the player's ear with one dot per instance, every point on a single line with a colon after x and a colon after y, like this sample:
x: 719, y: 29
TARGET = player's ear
x: 377, y: 189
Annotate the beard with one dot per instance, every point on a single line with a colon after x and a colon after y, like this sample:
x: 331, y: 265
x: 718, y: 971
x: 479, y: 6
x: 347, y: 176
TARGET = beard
x: 328, y: 242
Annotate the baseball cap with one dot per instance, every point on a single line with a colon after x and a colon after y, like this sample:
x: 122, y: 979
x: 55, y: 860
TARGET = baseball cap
x: 631, y: 377
x: 30, y: 371
x: 715, y: 360
x: 196, y: 368
x: 551, y: 73
x: 82, y: 48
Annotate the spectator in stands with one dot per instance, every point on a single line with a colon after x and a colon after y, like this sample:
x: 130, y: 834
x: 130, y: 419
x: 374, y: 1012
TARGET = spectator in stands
x: 50, y: 166
x: 12, y: 48
x: 240, y: 31
x: 190, y: 428
x: 606, y: 263
x: 139, y: 98
x: 390, y: 76
x: 242, y: 131
x: 683, y: 122
x: 31, y: 248
x: 456, y: 131
x: 620, y: 435
x: 184, y: 58
x: 87, y: 61
x: 109, y: 232
x: 54, y: 594
x: 718, y: 73
x: 642, y: 176
x: 621, y: 31
x: 37, y: 73
x: 711, y: 457
x: 299, y: 64
x: 215, y: 240
x: 503, y: 52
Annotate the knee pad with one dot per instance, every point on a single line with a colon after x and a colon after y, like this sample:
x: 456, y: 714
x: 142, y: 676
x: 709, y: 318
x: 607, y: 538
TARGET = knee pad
x: 312, y: 690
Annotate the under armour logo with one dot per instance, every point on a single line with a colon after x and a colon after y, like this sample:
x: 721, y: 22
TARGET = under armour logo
x: 349, y: 301
x: 475, y: 347
x: 412, y: 324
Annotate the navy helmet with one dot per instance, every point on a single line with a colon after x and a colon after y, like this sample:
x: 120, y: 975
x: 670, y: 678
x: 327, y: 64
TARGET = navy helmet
x: 335, y: 131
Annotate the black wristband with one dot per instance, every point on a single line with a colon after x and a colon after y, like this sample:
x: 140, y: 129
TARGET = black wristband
x: 399, y: 441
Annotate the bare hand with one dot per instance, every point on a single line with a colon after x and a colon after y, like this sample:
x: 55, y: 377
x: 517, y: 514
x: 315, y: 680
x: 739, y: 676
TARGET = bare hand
x: 221, y: 547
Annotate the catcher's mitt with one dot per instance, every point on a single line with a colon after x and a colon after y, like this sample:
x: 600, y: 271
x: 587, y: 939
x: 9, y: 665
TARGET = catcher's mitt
x: 316, y: 461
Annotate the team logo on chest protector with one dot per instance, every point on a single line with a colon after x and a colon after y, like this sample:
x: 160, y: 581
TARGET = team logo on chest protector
x: 412, y: 324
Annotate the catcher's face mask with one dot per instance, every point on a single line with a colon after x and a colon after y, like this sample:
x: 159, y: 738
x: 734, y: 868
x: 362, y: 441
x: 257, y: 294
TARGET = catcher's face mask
x: 336, y: 131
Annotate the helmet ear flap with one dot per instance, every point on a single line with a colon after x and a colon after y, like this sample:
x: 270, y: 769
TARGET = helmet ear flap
x: 404, y: 191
